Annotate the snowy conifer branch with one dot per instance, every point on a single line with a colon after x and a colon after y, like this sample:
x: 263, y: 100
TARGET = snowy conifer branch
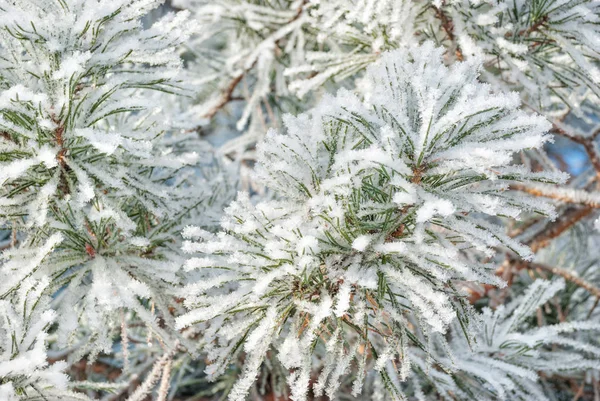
x: 402, y: 200
x: 566, y: 195
x: 547, y: 48
x: 24, y: 369
x: 567, y: 276
x: 380, y: 197
x: 93, y: 184
x: 512, y: 353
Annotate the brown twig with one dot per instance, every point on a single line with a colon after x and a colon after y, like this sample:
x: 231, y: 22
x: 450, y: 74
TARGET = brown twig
x: 13, y: 239
x: 579, y: 392
x: 563, y: 197
x: 567, y: 275
x: 554, y: 229
x: 227, y: 94
x: 60, y: 156
x: 541, y: 239
x: 588, y: 144
x: 448, y: 27
x: 592, y: 151
x: 6, y: 136
x: 58, y: 137
x: 447, y: 23
x: 533, y: 28
x: 570, y: 216
x: 593, y: 308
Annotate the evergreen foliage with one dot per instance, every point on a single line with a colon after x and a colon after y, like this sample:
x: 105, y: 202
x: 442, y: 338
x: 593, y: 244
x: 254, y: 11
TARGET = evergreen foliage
x: 380, y: 212
x: 404, y: 226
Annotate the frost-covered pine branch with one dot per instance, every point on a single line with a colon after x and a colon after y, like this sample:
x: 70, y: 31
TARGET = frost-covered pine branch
x: 379, y: 220
x: 24, y: 368
x: 511, y: 353
x: 547, y: 49
x: 413, y: 237
x: 94, y: 186
x: 262, y: 56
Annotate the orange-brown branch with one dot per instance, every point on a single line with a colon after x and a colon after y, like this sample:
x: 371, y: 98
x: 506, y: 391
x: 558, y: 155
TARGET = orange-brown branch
x: 536, y: 191
x: 560, y: 225
x: 567, y: 275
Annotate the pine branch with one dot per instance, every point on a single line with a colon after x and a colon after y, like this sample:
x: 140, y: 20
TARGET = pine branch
x: 554, y: 229
x: 567, y: 275
x: 566, y: 195
x: 226, y: 96
x: 448, y: 27
x: 227, y: 93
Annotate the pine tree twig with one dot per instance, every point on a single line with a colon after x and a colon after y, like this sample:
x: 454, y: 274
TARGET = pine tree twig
x: 227, y: 94
x: 58, y: 135
x: 60, y: 156
x: 579, y: 392
x: 536, y: 26
x: 570, y: 216
x: 165, y: 381
x: 6, y: 136
x: 447, y: 23
x: 589, y: 287
x: 13, y: 239
x: 448, y: 27
x: 124, y: 342
x: 578, y: 197
x: 593, y: 308
x: 592, y: 151
x: 158, y: 370
x: 554, y: 229
x: 542, y: 239
x: 588, y: 143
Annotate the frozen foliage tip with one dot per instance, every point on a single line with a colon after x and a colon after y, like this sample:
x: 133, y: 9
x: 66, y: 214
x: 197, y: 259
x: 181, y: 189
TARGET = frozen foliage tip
x: 379, y: 220
x: 506, y: 361
x: 23, y: 362
x: 549, y: 49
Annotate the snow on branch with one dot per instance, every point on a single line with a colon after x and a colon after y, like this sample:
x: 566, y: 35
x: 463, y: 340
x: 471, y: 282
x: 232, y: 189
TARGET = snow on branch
x: 378, y: 217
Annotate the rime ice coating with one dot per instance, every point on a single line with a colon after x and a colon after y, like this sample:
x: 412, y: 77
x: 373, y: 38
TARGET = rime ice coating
x: 380, y: 214
x: 93, y: 181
